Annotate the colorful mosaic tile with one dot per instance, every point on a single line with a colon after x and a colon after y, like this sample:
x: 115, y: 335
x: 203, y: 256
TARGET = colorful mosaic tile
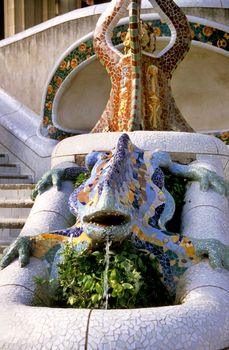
x: 222, y: 135
x: 210, y: 36
x: 141, y: 97
x: 201, y: 33
x: 71, y: 61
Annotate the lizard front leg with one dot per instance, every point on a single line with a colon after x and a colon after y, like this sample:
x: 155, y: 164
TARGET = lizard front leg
x: 193, y: 172
x: 54, y: 177
x: 25, y: 246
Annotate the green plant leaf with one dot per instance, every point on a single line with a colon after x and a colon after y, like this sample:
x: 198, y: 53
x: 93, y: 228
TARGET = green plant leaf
x: 72, y: 299
x: 81, y: 278
x: 94, y: 298
x: 99, y: 288
x: 127, y: 286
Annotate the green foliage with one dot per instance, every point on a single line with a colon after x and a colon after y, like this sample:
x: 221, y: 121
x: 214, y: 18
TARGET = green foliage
x: 132, y: 278
x: 40, y: 281
x: 80, y: 179
x: 177, y: 188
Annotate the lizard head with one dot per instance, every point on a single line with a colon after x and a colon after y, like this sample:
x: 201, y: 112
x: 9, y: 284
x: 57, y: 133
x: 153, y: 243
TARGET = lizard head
x: 122, y: 195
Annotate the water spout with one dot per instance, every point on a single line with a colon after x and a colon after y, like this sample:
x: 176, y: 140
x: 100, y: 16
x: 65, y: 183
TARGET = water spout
x: 105, y: 281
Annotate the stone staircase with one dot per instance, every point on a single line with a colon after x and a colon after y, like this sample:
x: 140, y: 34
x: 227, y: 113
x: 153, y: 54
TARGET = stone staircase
x: 15, y: 202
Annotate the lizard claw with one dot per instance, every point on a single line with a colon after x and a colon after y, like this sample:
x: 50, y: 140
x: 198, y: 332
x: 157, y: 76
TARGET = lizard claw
x: 50, y: 178
x: 218, y: 253
x: 209, y: 179
x: 20, y: 248
x: 54, y: 177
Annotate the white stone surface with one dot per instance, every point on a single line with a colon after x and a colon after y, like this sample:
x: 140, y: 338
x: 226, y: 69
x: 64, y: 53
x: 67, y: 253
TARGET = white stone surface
x: 18, y: 134
x: 202, y: 275
x: 41, y: 328
x: 225, y: 4
x: 214, y: 162
x: 20, y: 179
x: 199, y: 3
x: 226, y: 170
x: 14, y: 116
x: 8, y: 169
x: 206, y: 214
x: 167, y: 141
x: 4, y: 158
x: 206, y: 222
x: 26, y: 327
x: 8, y: 235
x: 71, y: 107
x: 196, y: 324
x: 16, y: 193
x: 14, y: 206
x: 50, y: 211
x: 12, y: 158
x: 209, y: 199
x: 14, y: 212
x: 197, y: 198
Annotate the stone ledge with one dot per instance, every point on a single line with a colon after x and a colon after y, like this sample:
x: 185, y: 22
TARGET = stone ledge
x: 17, y: 186
x: 9, y: 203
x: 12, y: 223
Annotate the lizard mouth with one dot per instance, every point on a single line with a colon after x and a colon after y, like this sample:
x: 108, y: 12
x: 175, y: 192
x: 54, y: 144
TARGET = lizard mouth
x: 107, y: 218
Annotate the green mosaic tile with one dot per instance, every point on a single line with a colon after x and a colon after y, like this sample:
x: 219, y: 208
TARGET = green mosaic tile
x: 210, y: 36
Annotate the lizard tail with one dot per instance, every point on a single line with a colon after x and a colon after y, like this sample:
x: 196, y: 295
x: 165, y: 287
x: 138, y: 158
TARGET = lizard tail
x: 135, y: 49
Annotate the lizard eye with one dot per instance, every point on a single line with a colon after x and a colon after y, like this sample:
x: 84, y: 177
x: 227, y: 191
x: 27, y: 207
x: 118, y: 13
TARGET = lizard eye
x: 92, y: 158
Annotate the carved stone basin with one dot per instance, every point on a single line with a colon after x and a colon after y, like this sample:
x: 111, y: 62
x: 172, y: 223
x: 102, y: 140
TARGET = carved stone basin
x: 200, y: 318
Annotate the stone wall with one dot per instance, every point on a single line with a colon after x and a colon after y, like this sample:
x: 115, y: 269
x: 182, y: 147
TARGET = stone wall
x: 212, y: 14
x: 30, y: 60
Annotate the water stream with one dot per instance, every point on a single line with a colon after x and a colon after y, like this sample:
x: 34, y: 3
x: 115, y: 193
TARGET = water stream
x: 105, y: 281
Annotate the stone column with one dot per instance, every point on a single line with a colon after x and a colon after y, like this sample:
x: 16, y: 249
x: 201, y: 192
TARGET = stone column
x: 22, y: 14
x: 49, y: 9
x: 9, y: 14
x: 68, y: 5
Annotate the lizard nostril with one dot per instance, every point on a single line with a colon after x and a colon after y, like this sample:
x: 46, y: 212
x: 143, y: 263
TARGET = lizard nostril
x: 107, y: 218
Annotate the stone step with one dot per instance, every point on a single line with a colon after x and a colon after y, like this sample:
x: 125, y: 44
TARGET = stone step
x: 15, y: 208
x: 10, y: 229
x: 11, y: 169
x: 12, y: 223
x: 8, y: 235
x: 2, y: 247
x: 24, y: 203
x: 4, y: 158
x: 15, y: 179
x: 15, y: 191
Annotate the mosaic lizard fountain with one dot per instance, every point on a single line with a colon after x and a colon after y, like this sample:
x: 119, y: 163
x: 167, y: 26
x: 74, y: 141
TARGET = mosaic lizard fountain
x: 138, y: 207
x: 126, y: 188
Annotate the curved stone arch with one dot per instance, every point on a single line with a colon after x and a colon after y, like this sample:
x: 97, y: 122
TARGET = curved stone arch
x: 205, y: 33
